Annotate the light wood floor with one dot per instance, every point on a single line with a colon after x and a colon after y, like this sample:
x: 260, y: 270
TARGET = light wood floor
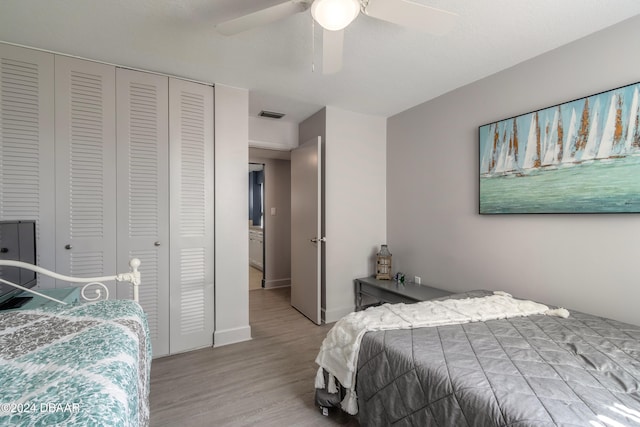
x: 255, y: 278
x: 267, y: 381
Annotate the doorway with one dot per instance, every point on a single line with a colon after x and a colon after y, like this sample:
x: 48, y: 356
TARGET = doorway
x: 275, y: 216
x: 256, y: 225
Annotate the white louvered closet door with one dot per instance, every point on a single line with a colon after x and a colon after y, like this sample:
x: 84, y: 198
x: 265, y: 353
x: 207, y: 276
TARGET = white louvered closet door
x: 143, y: 193
x: 85, y: 168
x: 27, y: 189
x: 191, y: 213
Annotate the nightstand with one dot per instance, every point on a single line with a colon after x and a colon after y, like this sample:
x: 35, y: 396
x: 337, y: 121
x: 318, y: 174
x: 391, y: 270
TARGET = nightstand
x: 393, y: 292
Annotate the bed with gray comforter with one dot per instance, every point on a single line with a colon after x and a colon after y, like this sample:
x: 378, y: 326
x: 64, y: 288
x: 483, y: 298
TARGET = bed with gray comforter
x: 524, y: 371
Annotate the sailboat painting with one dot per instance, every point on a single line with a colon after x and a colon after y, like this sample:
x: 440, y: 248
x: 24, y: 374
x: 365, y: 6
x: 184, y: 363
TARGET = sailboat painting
x: 582, y: 156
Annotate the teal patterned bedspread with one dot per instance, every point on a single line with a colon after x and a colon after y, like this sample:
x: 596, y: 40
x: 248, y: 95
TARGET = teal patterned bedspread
x: 84, y: 365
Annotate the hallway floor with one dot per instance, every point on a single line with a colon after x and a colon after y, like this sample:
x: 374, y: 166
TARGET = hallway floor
x: 255, y: 278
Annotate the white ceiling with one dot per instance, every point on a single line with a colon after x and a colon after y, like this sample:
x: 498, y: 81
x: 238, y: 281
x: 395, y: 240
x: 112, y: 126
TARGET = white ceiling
x: 386, y: 68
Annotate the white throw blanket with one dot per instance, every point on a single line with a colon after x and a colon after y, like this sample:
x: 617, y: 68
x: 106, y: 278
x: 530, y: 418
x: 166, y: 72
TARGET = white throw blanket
x: 339, y: 352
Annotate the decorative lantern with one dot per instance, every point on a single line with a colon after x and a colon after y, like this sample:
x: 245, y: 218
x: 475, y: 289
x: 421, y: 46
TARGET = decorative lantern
x: 383, y: 264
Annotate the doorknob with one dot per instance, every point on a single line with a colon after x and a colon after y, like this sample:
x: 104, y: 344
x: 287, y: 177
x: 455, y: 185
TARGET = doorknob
x: 156, y: 244
x: 316, y: 240
x: 68, y: 247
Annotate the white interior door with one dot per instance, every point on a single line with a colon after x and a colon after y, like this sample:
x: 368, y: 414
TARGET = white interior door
x: 191, y: 307
x: 306, y: 229
x: 143, y: 194
x: 85, y: 152
x: 27, y: 180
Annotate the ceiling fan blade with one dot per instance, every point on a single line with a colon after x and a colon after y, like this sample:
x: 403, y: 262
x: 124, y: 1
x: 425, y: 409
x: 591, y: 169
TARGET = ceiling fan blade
x: 332, y: 45
x: 262, y: 17
x: 413, y: 15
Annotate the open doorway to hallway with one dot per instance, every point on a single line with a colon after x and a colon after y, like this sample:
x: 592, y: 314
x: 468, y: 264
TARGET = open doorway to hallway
x: 272, y: 267
x: 256, y: 224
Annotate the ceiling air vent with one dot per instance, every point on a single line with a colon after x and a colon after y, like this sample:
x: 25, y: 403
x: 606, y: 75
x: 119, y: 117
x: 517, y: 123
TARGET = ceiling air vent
x: 271, y: 114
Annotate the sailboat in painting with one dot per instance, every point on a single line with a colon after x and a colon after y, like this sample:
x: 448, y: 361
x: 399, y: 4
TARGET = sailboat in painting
x: 612, y: 133
x: 553, y: 141
x: 569, y: 150
x: 604, y: 130
x: 532, y: 151
x: 488, y: 164
x: 589, y: 151
x: 501, y: 156
x: 632, y: 141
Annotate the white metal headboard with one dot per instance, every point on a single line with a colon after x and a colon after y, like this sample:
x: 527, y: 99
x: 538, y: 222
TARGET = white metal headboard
x: 132, y: 277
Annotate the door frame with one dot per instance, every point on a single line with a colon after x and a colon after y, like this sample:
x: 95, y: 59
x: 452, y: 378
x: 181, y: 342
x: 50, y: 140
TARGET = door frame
x: 264, y: 219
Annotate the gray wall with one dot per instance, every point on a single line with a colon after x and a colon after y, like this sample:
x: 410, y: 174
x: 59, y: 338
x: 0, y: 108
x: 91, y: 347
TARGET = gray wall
x: 354, y: 151
x: 585, y: 262
x: 313, y: 126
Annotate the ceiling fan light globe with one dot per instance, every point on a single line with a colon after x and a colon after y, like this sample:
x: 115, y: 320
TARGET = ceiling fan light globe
x: 335, y: 15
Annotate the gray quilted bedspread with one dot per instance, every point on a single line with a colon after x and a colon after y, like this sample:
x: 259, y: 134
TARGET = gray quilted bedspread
x: 527, y: 371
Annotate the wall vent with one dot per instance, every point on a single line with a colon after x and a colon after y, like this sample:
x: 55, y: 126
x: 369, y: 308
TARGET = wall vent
x: 271, y: 114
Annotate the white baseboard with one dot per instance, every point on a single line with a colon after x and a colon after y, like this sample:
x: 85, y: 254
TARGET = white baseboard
x: 231, y: 336
x: 278, y: 283
x: 330, y: 316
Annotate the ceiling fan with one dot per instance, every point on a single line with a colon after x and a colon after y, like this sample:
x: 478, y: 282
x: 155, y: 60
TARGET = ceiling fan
x: 335, y: 15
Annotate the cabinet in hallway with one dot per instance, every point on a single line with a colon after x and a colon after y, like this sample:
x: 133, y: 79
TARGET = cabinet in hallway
x: 256, y: 251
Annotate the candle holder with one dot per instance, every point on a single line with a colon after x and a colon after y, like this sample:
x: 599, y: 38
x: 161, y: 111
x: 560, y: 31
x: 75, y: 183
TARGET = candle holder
x: 383, y: 264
